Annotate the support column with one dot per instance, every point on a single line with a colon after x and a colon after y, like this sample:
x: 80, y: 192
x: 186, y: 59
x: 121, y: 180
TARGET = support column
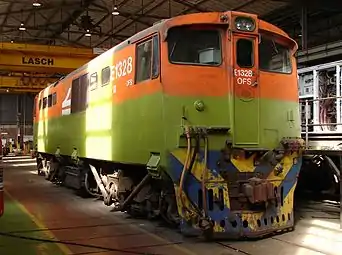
x: 340, y: 193
x: 304, y: 25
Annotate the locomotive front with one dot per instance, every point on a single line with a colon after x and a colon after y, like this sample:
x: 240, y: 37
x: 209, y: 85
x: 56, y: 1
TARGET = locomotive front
x: 230, y: 79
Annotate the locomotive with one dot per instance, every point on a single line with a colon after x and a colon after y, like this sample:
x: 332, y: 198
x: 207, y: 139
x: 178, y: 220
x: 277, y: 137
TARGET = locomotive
x: 194, y: 119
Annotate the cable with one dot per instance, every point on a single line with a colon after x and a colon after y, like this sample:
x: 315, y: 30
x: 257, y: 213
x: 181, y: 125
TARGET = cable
x: 73, y: 243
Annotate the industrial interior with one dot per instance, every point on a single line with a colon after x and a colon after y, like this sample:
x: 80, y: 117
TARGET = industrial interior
x: 135, y: 127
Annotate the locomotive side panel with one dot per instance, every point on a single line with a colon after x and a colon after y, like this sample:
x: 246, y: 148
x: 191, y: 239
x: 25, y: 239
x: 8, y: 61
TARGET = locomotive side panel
x: 278, y: 90
x: 109, y: 109
x: 137, y: 106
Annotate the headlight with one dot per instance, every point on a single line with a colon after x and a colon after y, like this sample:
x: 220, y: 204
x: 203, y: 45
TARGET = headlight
x: 244, y: 24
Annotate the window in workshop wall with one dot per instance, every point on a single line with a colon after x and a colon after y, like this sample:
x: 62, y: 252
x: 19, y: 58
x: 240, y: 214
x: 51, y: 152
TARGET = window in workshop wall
x: 34, y: 107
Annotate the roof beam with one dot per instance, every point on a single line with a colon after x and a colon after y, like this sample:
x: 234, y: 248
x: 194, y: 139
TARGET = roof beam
x: 147, y: 12
x: 103, y: 18
x: 331, y: 5
x: 75, y: 14
x: 48, y: 6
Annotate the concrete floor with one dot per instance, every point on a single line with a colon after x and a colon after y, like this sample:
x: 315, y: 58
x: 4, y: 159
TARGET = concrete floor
x: 39, y: 214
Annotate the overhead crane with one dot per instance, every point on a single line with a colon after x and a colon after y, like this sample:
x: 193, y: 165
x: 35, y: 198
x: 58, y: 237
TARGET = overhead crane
x: 34, y: 66
x: 27, y: 84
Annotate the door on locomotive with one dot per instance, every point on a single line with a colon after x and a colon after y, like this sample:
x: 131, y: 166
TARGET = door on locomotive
x: 245, y: 90
x: 1, y: 181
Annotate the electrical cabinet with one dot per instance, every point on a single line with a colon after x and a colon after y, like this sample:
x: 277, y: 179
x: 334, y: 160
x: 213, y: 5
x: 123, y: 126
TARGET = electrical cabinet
x: 319, y: 88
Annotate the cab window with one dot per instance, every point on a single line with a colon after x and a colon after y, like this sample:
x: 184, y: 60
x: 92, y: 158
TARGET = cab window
x: 245, y: 53
x: 188, y: 45
x: 273, y: 56
x: 147, y: 61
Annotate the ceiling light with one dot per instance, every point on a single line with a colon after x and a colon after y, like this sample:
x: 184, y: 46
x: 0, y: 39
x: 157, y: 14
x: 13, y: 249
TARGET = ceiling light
x: 115, y: 11
x: 88, y: 34
x: 22, y: 28
x: 12, y: 41
x: 36, y: 4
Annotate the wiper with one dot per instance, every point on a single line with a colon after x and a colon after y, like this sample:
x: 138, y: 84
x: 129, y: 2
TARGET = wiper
x: 275, y: 47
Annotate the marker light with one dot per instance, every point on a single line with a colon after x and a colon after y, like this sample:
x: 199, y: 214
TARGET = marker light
x: 244, y: 24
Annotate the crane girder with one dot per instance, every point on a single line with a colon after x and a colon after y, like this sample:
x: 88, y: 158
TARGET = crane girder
x: 33, y: 62
x: 24, y: 83
x: 42, y: 58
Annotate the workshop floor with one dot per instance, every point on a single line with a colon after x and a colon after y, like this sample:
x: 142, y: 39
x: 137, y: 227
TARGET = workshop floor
x: 41, y: 218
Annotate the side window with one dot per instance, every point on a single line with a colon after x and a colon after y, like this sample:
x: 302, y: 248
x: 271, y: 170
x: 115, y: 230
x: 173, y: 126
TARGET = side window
x: 93, y: 81
x: 50, y: 100
x: 143, y: 61
x: 44, y: 102
x: 79, y: 94
x: 105, y: 76
x: 54, y: 98
x: 75, y: 87
x: 155, y: 64
x: 244, y: 53
x: 84, y: 85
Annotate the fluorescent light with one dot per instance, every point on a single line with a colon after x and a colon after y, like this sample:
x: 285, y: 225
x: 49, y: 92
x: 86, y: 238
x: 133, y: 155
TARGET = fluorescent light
x: 36, y: 4
x: 22, y: 28
x: 115, y: 11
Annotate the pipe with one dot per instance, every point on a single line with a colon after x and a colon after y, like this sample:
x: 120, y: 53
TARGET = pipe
x: 99, y: 181
x: 133, y: 193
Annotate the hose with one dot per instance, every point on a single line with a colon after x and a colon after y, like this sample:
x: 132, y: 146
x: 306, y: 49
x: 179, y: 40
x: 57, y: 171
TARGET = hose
x: 186, y: 169
x: 204, y: 176
x: 185, y: 166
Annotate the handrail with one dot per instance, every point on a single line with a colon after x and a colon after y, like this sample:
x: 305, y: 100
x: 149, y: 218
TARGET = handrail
x: 307, y: 125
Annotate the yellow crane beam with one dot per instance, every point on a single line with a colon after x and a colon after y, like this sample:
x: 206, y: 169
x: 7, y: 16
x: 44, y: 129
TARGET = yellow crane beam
x: 16, y: 84
x: 42, y: 58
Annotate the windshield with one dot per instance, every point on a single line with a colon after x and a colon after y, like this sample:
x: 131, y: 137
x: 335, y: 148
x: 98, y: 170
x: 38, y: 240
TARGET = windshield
x: 189, y: 45
x: 274, y: 57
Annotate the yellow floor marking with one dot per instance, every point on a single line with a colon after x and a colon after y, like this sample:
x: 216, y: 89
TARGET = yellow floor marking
x: 40, y: 225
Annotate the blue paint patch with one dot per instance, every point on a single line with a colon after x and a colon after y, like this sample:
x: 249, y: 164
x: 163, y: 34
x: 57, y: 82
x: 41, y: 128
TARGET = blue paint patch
x: 230, y: 221
x: 291, y: 177
x: 192, y: 187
